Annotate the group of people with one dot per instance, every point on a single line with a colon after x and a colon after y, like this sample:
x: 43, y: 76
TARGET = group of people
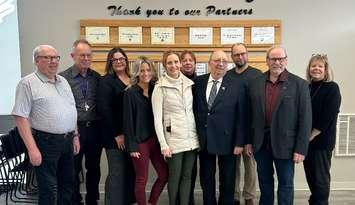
x: 271, y: 120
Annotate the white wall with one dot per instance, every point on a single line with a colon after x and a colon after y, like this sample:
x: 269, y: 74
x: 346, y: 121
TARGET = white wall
x: 317, y: 26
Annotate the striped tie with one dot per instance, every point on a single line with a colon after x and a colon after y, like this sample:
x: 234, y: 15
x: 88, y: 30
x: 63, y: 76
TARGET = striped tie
x: 213, y: 94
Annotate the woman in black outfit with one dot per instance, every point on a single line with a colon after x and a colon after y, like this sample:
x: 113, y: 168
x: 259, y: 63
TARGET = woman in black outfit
x: 141, y: 140
x: 119, y: 185
x: 326, y: 101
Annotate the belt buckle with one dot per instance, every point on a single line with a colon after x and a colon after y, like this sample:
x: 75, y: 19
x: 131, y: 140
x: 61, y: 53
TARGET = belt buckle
x: 88, y: 123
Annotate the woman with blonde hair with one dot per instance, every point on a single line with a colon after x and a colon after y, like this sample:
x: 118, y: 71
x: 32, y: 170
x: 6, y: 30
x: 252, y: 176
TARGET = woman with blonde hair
x: 138, y: 127
x: 175, y: 126
x: 326, y: 99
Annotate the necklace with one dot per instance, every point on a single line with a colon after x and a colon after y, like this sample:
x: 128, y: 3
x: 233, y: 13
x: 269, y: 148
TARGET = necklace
x: 316, y: 91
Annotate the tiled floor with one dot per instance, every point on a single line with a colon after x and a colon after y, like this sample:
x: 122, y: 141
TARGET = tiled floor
x: 336, y: 198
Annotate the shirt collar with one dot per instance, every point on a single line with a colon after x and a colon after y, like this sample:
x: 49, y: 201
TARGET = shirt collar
x: 210, y: 79
x: 75, y: 72
x: 45, y: 79
x: 282, y: 77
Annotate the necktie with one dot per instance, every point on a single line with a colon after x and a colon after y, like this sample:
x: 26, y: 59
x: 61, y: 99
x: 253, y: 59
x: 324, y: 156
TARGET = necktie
x: 213, y: 94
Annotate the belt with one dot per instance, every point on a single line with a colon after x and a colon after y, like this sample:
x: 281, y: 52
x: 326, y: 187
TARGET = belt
x: 64, y: 135
x: 86, y: 123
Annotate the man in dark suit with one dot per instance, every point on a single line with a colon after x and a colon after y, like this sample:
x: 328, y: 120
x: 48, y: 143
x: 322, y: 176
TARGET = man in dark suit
x: 280, y: 127
x: 220, y: 112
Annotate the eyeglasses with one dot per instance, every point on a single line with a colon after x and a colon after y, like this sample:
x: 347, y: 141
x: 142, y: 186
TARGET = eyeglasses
x: 280, y: 59
x: 218, y: 61
x: 50, y: 58
x: 115, y: 60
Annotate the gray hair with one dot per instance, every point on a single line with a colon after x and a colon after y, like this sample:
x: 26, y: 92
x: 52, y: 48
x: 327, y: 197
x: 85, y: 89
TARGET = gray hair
x: 275, y: 47
x: 136, y: 69
x: 39, y: 49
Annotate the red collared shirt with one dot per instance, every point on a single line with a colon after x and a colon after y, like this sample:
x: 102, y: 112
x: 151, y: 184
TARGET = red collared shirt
x: 272, y: 93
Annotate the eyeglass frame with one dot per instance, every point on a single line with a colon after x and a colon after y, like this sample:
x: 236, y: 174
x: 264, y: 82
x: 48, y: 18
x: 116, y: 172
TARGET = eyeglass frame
x: 281, y: 59
x: 121, y: 60
x: 49, y: 58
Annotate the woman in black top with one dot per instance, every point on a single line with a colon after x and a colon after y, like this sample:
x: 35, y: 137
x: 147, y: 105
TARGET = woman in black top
x: 140, y: 137
x: 119, y: 185
x: 326, y: 101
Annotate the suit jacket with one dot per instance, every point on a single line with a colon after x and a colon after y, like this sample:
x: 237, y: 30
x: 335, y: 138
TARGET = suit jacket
x: 224, y: 126
x: 291, y: 120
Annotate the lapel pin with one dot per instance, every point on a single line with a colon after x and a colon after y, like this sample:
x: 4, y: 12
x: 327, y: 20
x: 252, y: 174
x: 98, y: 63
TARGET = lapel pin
x: 223, y: 88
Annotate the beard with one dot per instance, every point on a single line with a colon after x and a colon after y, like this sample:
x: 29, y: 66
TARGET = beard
x: 240, y: 64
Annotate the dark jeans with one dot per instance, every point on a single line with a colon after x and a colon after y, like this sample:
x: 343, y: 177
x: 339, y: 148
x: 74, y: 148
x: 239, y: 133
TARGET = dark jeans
x: 55, y: 175
x: 91, y: 148
x: 317, y: 169
x: 149, y: 149
x: 226, y: 166
x: 285, y: 174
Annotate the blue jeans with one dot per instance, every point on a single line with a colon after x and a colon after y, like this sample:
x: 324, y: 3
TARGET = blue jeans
x: 285, y: 174
x: 55, y: 175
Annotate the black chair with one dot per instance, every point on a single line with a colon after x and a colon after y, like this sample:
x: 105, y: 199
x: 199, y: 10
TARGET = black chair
x: 16, y: 170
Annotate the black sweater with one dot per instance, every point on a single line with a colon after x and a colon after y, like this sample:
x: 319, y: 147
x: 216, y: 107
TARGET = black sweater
x: 138, y: 124
x: 109, y: 104
x: 326, y: 101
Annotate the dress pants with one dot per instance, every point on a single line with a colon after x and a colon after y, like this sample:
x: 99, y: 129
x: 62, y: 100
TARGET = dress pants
x: 91, y: 148
x: 180, y: 167
x: 119, y: 184
x: 249, y: 189
x: 285, y: 169
x: 317, y: 169
x: 55, y: 175
x: 226, y: 165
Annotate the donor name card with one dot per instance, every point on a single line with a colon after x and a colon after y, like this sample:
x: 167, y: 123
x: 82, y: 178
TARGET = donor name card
x: 231, y: 35
x: 97, y: 34
x: 262, y: 35
x: 130, y: 35
x: 162, y: 35
x: 201, y: 35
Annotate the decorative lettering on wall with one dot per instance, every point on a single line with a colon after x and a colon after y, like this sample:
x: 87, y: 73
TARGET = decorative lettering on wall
x: 210, y: 10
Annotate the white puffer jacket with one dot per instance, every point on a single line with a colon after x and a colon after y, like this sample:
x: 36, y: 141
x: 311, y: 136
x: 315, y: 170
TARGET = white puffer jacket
x: 173, y: 115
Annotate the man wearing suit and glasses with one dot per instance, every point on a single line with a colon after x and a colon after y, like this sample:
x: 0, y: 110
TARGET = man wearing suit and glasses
x: 220, y: 110
x: 280, y: 126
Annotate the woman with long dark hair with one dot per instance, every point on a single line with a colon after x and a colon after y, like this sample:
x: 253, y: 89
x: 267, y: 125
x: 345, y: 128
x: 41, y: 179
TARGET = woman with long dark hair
x: 119, y: 185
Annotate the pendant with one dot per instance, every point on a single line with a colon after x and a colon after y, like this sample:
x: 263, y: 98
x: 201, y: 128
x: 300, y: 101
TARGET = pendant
x: 87, y: 107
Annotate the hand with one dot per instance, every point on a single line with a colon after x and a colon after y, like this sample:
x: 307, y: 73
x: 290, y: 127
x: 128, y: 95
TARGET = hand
x: 120, y: 142
x: 166, y: 153
x: 248, y: 150
x: 76, y: 145
x: 298, y: 158
x: 135, y: 154
x: 237, y: 150
x: 35, y: 157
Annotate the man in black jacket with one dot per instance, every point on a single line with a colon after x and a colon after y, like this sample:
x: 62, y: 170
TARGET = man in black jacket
x: 220, y: 113
x: 280, y: 126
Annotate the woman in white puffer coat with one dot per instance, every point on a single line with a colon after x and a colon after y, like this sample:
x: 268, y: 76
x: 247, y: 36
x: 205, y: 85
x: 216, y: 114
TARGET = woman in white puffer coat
x: 175, y: 127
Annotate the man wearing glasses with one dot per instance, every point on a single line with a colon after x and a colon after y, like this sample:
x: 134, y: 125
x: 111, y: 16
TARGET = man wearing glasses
x: 46, y: 117
x: 220, y: 113
x: 281, y: 126
x: 243, y: 71
x: 84, y: 82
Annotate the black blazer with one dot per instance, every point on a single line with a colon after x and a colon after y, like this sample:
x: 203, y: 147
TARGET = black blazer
x: 110, y: 105
x: 291, y: 120
x: 224, y: 126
